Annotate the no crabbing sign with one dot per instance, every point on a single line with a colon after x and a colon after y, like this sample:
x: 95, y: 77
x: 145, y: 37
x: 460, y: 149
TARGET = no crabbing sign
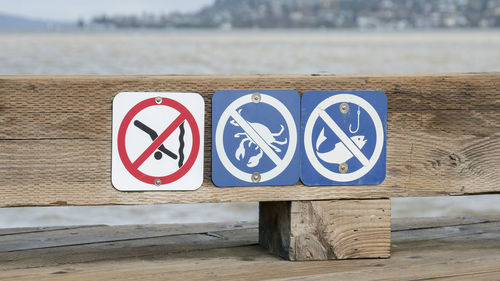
x: 157, y: 141
x: 255, y: 137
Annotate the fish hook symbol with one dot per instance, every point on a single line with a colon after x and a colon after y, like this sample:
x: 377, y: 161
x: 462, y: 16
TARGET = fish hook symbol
x: 357, y: 129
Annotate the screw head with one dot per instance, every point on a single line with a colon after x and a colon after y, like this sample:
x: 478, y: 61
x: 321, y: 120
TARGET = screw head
x: 158, y: 100
x: 256, y: 98
x: 343, y: 168
x: 157, y: 182
x: 344, y: 108
x: 256, y: 177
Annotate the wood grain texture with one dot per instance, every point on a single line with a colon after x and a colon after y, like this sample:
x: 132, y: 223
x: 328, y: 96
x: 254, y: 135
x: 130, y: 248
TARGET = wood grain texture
x: 423, y: 249
x: 323, y: 230
x: 55, y: 137
x: 96, y: 234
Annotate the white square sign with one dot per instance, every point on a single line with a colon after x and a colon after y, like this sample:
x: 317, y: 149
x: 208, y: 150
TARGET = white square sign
x: 157, y: 141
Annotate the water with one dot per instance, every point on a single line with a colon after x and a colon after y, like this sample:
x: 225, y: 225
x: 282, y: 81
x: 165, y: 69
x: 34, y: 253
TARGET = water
x: 243, y: 52
x: 196, y: 52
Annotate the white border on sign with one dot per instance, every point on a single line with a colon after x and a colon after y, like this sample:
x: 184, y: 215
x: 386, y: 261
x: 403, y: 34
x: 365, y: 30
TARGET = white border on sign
x: 219, y: 137
x: 121, y: 179
x: 308, y: 143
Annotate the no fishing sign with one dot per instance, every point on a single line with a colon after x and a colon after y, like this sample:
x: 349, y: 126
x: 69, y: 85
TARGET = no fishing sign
x: 344, y: 137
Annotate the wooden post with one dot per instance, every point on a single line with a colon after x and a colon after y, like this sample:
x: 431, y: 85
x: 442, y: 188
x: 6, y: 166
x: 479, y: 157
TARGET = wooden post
x: 322, y: 230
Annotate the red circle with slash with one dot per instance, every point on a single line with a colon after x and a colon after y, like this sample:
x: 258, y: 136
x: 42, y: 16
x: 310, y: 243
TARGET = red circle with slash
x: 133, y: 167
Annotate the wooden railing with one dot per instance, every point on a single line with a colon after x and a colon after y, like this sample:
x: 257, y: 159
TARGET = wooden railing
x: 443, y: 138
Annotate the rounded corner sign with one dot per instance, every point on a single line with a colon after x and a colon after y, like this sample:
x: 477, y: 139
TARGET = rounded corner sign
x: 255, y: 137
x: 344, y: 137
x: 157, y: 141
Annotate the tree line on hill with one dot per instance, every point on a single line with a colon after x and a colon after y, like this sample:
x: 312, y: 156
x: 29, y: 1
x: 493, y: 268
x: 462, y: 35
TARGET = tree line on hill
x: 373, y: 14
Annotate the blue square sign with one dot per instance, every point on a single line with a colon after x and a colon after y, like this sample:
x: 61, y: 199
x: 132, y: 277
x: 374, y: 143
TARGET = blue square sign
x: 343, y: 137
x: 255, y: 137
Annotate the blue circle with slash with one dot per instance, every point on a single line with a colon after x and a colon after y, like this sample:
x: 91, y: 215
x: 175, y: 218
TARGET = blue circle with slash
x: 343, y: 147
x: 251, y: 138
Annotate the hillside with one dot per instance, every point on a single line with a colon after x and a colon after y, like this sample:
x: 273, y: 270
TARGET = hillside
x: 18, y: 23
x: 373, y: 14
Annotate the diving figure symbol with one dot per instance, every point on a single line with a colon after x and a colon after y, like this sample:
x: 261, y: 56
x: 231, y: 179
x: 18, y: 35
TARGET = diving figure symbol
x: 154, y: 135
x: 265, y: 134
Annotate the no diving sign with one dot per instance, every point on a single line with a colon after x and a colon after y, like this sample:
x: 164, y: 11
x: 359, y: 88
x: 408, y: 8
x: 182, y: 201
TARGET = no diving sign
x: 344, y: 137
x: 157, y: 141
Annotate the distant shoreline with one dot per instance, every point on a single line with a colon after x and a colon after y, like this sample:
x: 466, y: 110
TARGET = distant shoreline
x: 248, y: 30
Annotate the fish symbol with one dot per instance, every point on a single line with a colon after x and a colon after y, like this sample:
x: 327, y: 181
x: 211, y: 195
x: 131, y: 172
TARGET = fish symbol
x: 340, y: 153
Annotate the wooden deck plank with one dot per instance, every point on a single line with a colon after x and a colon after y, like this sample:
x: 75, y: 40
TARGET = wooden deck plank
x: 55, y: 237
x: 433, y: 249
x: 146, y: 248
x: 25, y: 230
x: 55, y: 135
x: 400, y: 224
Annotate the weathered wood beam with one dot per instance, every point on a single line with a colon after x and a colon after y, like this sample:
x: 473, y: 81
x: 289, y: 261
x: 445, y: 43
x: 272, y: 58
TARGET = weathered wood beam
x: 443, y: 137
x: 323, y: 230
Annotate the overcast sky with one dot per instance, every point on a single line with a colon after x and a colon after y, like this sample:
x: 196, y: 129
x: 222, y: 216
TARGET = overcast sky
x: 71, y: 10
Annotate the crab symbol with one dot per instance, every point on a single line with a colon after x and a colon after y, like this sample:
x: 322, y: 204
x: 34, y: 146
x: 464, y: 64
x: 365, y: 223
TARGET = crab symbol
x: 265, y: 134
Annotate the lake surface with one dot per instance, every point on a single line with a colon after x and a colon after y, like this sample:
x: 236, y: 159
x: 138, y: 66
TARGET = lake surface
x: 243, y: 52
x: 195, y: 52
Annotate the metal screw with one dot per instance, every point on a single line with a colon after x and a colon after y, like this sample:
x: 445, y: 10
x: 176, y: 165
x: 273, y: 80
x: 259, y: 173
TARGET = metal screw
x: 157, y: 182
x: 256, y: 98
x: 255, y: 177
x: 343, y: 168
x: 344, y: 108
x: 158, y: 100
